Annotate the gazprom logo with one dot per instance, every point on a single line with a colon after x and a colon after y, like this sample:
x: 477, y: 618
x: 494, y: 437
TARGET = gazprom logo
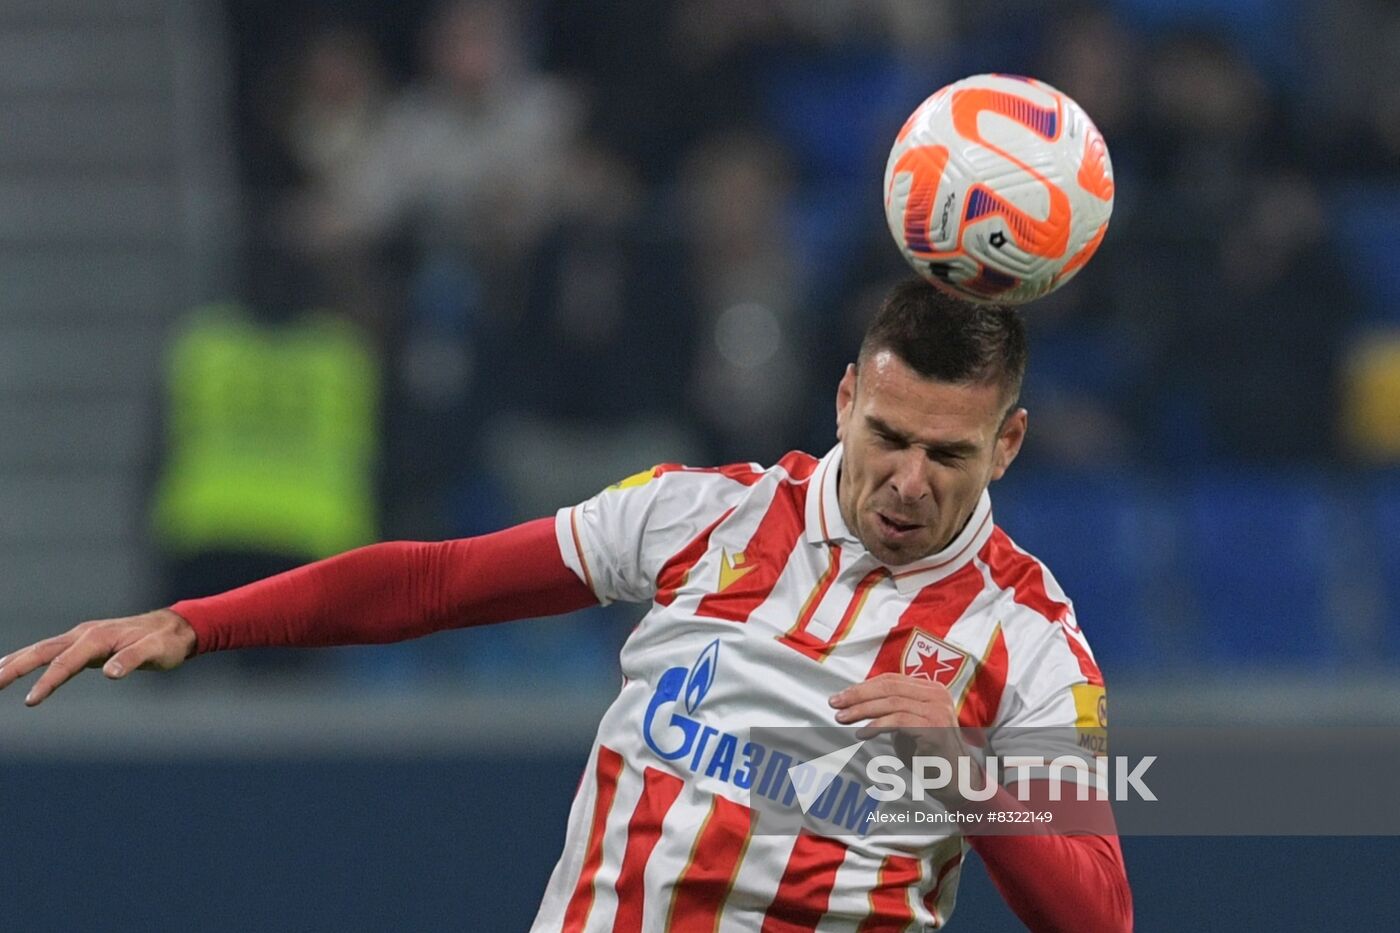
x: 702, y: 677
x: 671, y: 736
x: 673, y: 732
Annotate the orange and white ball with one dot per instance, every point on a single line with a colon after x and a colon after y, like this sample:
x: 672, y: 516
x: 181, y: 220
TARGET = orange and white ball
x: 998, y: 188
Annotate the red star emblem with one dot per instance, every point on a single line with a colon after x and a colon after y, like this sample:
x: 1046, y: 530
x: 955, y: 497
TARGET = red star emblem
x: 931, y: 659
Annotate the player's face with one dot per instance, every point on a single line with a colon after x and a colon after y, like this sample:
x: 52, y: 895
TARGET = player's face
x: 917, y: 455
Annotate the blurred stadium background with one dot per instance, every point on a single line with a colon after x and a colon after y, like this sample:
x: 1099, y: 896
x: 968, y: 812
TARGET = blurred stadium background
x: 277, y: 279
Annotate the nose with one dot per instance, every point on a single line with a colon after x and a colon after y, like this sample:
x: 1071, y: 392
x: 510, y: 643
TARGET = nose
x: 909, y: 481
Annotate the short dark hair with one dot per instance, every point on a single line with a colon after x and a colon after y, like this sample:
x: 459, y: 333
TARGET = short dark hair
x: 946, y: 338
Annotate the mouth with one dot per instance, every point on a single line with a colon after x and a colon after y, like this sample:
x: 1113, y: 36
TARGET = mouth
x: 893, y: 528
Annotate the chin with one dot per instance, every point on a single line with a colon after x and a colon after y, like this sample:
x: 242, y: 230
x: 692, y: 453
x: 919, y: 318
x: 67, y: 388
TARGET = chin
x: 898, y: 556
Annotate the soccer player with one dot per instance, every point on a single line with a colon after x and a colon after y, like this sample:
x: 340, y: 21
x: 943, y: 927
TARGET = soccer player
x: 869, y: 586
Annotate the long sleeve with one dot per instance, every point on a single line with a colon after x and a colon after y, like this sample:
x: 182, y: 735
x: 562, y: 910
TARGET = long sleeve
x: 1059, y: 883
x: 395, y: 591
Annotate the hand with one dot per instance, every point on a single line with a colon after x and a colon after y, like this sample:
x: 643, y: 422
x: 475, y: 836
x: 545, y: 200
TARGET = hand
x: 154, y: 641
x: 918, y: 712
x: 920, y: 717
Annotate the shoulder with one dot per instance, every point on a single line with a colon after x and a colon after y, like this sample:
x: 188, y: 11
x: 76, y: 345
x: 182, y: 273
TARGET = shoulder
x: 1043, y: 636
x: 621, y: 539
x: 677, y: 488
x: 794, y: 467
x: 1024, y: 580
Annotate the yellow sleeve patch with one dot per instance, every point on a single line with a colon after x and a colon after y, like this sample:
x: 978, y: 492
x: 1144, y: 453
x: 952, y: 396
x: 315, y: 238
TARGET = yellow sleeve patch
x: 636, y: 479
x: 1091, y: 717
x: 1090, y: 706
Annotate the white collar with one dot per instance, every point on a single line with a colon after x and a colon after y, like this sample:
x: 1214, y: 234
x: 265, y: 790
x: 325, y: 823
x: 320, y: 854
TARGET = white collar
x: 826, y: 525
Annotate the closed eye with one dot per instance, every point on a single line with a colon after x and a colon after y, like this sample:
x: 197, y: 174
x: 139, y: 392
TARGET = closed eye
x: 948, y: 452
x: 891, y: 441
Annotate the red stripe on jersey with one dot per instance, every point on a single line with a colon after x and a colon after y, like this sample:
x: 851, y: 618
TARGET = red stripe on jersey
x: 805, y: 890
x: 767, y: 553
x: 1025, y: 577
x: 890, y: 910
x: 609, y: 767
x: 800, y: 466
x: 659, y: 792
x: 934, y: 609
x: 983, y: 697
x: 704, y: 885
x: 676, y: 570
x: 931, y: 898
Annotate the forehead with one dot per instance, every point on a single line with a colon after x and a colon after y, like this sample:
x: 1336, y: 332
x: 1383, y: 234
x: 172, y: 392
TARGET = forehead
x: 888, y: 390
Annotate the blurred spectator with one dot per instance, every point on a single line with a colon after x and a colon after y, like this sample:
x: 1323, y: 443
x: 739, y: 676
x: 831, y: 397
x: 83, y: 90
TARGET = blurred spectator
x: 603, y: 316
x: 1091, y: 345
x: 272, y: 440
x: 1258, y: 331
x: 1096, y: 59
x: 335, y: 108
x: 467, y: 170
x: 1091, y: 56
x: 1210, y: 129
x: 750, y: 357
x: 474, y: 155
x: 1352, y: 97
x: 328, y: 124
x: 634, y: 63
x: 594, y: 373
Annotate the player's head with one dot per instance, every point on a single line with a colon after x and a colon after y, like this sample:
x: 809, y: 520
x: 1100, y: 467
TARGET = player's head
x: 927, y: 417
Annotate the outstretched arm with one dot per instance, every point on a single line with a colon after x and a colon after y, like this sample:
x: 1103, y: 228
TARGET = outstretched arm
x: 381, y: 593
x: 395, y: 591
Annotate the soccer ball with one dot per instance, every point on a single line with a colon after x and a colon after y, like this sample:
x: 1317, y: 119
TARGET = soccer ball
x: 998, y: 189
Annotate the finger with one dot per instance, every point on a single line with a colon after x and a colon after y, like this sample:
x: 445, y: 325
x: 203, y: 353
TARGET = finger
x: 25, y: 660
x: 887, y: 685
x: 880, y: 706
x: 894, y: 722
x: 63, y: 668
x: 148, y: 652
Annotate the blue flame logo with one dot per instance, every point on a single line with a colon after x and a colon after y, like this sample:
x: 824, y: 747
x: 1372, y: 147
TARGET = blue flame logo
x: 702, y: 676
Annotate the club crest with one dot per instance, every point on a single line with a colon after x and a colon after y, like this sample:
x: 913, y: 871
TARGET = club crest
x: 931, y: 658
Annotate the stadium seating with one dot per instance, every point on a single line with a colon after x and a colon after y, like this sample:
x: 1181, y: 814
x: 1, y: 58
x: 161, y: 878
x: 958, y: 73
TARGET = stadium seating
x: 1386, y: 535
x: 1368, y: 231
x: 1089, y: 529
x: 1258, y: 548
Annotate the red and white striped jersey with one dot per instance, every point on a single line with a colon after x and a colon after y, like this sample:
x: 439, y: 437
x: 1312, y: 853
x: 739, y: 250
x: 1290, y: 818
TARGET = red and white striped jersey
x: 764, y: 604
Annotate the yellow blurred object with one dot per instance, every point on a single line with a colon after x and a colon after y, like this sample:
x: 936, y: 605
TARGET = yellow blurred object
x: 1371, y: 398
x: 272, y: 436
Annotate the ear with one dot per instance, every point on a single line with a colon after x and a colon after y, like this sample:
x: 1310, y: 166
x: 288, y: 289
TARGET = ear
x: 1013, y: 434
x: 845, y: 400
